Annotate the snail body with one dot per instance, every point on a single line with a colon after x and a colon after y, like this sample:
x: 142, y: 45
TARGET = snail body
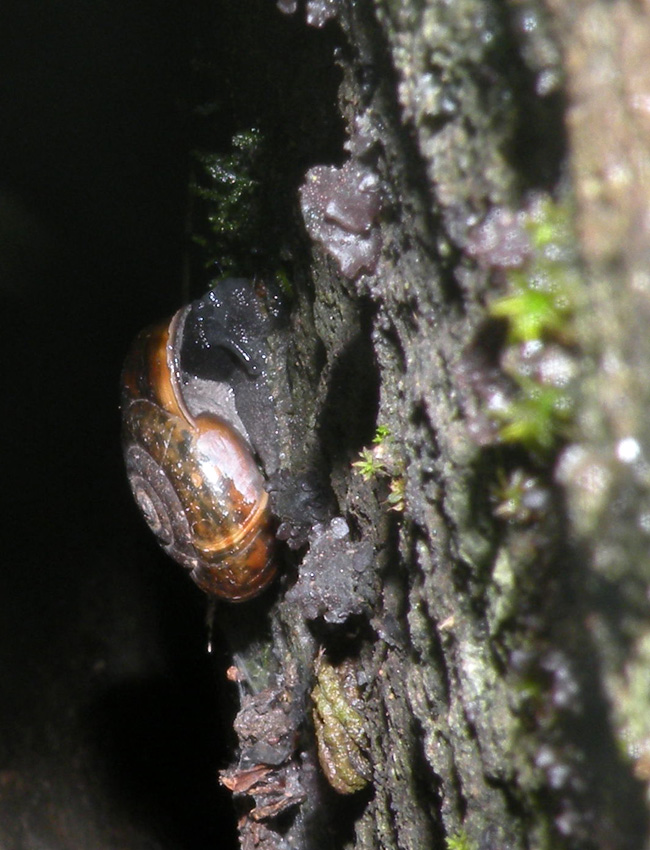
x: 191, y: 469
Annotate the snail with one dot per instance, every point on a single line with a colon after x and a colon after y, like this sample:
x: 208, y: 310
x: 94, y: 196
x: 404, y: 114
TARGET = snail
x: 189, y: 458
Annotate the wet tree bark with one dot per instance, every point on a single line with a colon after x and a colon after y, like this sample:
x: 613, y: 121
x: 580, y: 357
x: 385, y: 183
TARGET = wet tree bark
x: 497, y: 644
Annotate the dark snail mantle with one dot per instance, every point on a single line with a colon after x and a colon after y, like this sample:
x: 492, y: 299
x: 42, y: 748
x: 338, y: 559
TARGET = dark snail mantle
x: 187, y: 451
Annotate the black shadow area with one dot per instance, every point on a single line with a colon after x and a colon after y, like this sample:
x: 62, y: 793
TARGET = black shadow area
x: 111, y: 713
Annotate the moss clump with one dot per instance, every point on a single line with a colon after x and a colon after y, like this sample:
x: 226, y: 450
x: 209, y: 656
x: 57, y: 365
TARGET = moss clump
x: 459, y: 841
x: 538, y: 309
x: 536, y: 417
x: 382, y: 461
x: 227, y: 187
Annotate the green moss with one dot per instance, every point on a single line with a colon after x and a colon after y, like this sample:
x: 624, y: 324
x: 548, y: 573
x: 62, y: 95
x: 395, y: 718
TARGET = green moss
x: 228, y: 188
x: 510, y: 495
x: 378, y: 461
x: 369, y: 466
x: 540, y: 297
x: 536, y: 417
x: 381, y: 434
x: 459, y: 841
x: 550, y: 223
x: 538, y: 308
x: 382, y: 461
x: 531, y: 314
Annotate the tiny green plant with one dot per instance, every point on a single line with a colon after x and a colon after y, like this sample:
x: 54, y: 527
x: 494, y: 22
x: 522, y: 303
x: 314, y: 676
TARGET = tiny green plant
x: 369, y: 466
x: 532, y: 313
x: 381, y: 461
x: 381, y: 434
x: 375, y: 462
x: 536, y: 417
x: 227, y: 186
x: 538, y: 309
x: 459, y: 841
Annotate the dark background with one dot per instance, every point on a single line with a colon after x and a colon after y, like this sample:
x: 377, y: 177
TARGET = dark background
x: 108, y: 700
x: 111, y: 710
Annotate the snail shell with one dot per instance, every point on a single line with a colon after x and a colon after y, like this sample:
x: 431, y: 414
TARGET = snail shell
x: 193, y: 476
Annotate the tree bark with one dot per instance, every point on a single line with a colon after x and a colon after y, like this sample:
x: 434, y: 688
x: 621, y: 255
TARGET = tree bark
x: 497, y: 655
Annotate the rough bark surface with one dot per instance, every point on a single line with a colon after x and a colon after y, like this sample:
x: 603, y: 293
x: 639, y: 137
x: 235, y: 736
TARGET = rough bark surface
x: 456, y: 656
x: 499, y: 669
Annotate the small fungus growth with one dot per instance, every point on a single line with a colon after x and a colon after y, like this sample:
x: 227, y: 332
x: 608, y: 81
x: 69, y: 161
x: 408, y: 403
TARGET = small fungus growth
x: 336, y: 579
x: 340, y: 207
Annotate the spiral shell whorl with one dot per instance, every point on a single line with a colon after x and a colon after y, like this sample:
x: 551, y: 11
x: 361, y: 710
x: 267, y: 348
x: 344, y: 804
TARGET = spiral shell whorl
x: 159, y: 504
x: 194, y: 479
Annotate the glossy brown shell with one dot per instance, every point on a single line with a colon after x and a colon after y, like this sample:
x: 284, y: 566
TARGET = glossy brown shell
x: 193, y: 477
